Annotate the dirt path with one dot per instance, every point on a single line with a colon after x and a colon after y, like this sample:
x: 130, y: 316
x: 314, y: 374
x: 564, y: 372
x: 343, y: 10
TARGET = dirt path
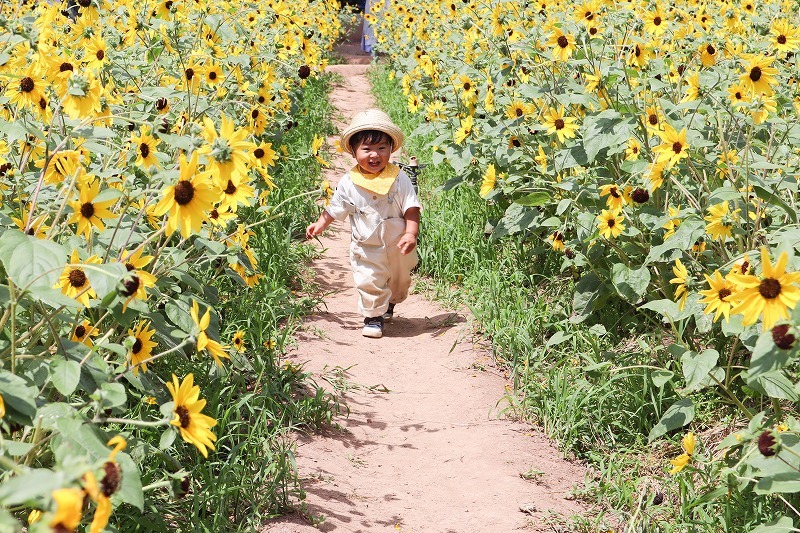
x: 423, y: 449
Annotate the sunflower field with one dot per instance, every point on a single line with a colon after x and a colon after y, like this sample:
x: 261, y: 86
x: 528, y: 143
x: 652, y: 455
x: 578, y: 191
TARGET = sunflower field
x: 647, y: 156
x: 156, y: 161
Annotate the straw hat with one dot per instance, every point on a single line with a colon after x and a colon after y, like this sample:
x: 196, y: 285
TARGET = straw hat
x: 372, y: 119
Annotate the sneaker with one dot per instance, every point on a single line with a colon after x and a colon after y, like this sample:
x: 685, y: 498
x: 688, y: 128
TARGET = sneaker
x: 389, y: 314
x: 373, y: 327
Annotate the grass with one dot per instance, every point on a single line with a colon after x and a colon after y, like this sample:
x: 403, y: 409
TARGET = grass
x: 589, y: 386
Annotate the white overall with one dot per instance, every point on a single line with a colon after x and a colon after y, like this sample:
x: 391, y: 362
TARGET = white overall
x: 382, y: 275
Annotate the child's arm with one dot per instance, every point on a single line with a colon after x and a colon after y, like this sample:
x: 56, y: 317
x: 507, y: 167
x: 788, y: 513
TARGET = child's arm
x: 324, y: 220
x: 408, y: 241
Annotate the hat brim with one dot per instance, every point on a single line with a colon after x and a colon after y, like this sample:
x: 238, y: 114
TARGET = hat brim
x: 388, y: 128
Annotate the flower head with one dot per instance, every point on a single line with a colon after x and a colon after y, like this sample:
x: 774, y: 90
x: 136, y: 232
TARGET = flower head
x: 195, y: 427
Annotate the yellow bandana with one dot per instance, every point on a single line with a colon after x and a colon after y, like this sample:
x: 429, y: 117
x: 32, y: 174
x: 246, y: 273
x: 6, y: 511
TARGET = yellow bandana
x: 378, y: 183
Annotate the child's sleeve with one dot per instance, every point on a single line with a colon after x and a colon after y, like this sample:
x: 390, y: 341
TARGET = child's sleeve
x: 340, y: 207
x: 407, y: 195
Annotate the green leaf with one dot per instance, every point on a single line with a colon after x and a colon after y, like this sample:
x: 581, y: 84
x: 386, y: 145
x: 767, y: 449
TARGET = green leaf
x: 677, y: 416
x: 53, y: 297
x: 783, y: 524
x: 588, y: 292
x: 783, y: 482
x: 517, y: 218
x: 29, y: 260
x: 533, y: 199
x: 8, y: 523
x: 30, y: 486
x: 167, y: 438
x: 774, y: 199
x: 631, y: 284
x: 65, y: 375
x: 775, y: 384
x: 661, y: 377
x: 105, y: 278
x: 688, y: 232
x: 767, y: 357
x: 557, y: 338
x: 19, y: 397
x: 131, y: 490
x: 696, y: 368
x: 606, y: 129
x: 111, y: 395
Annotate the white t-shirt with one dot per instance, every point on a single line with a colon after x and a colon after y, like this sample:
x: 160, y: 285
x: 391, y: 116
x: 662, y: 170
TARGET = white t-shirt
x: 368, y: 209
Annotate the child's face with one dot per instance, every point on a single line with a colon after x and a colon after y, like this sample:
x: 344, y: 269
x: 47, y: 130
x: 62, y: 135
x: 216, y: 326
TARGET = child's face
x: 373, y: 157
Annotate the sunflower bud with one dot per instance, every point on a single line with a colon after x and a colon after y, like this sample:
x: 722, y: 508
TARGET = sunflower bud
x: 782, y: 336
x: 112, y: 480
x: 304, y: 72
x: 768, y: 443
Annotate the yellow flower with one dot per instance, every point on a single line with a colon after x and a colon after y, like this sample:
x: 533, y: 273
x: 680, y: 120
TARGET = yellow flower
x: 616, y: 198
x: 88, y: 212
x: 464, y: 130
x: 610, y: 223
x: 2, y: 407
x: 720, y: 221
x: 142, y: 348
x: 673, y: 222
x: 74, y: 282
x: 633, y: 150
x: 69, y: 508
x: 557, y: 241
x: 238, y: 341
x: 719, y: 296
x: 228, y: 150
x: 674, y: 146
x: 654, y: 22
x: 562, y: 44
x: 759, y: 76
x: 195, y: 427
x: 769, y: 296
x: 681, y: 281
x: 556, y: 122
x: 216, y: 350
x: 188, y: 201
x: 84, y: 332
x: 489, y: 180
x: 145, y: 145
x: 683, y: 459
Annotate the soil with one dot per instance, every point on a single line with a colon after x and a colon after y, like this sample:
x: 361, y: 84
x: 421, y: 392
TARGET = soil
x: 425, y: 446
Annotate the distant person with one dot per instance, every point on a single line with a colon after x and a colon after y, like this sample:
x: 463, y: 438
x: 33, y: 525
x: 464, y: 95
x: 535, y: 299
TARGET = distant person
x: 384, y: 212
x: 368, y: 33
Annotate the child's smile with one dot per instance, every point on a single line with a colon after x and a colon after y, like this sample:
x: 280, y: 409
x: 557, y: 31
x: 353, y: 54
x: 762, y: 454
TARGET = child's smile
x: 372, y: 158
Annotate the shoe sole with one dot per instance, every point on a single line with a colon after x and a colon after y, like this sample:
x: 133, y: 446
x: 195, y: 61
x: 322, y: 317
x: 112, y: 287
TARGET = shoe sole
x: 387, y: 318
x: 372, y: 333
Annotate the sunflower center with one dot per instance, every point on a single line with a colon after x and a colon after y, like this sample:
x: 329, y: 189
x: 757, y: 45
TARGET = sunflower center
x: 559, y: 123
x: 258, y: 152
x: 87, y: 210
x: 213, y: 214
x: 611, y: 223
x: 26, y: 84
x: 77, y: 278
x: 710, y: 50
x: 519, y: 112
x: 781, y: 39
x: 614, y: 192
x: 677, y: 147
x: 516, y: 143
x: 80, y: 331
x: 144, y: 149
x: 562, y: 41
x: 231, y: 188
x: 168, y: 4
x: 84, y: 3
x: 652, y: 119
x: 755, y: 73
x: 592, y: 30
x: 657, y: 21
x: 467, y: 86
x: 183, y: 415
x: 770, y: 288
x: 161, y: 104
x: 129, y: 267
x: 137, y: 346
x: 723, y: 293
x: 637, y: 51
x: 184, y: 192
x: 65, y: 66
x: 42, y: 104
x: 100, y: 54
x: 254, y: 114
x: 131, y: 285
x: 189, y: 74
x: 212, y: 75
x: 112, y: 479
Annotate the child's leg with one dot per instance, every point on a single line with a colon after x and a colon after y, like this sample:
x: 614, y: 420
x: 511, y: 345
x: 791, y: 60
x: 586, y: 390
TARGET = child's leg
x: 371, y: 275
x: 400, y: 266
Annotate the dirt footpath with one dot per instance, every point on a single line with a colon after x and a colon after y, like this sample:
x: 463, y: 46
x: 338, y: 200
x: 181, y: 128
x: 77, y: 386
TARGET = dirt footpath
x: 423, y: 449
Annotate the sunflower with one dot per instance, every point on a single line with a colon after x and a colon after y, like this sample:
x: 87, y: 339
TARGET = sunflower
x: 588, y: 13
x: 142, y: 346
x: 653, y: 119
x: 229, y: 152
x: 674, y: 221
x: 213, y: 74
x: 674, y: 146
x: 95, y: 53
x: 562, y: 126
x: 654, y: 22
x: 145, y: 145
x: 708, y: 55
x: 265, y: 155
x: 216, y: 350
x: 557, y: 241
x: 80, y: 95
x: 769, y: 296
x: 610, y: 223
x: 135, y: 263
x: 683, y: 459
x: 517, y: 109
x: 28, y: 91
x: 257, y: 120
x: 467, y: 89
x: 84, y: 332
x: 616, y: 198
x: 195, y: 427
x: 238, y: 341
x: 639, y: 56
x: 74, y: 282
x: 721, y: 221
x: 219, y: 218
x: 759, y: 76
x: 35, y: 227
x: 189, y: 200
x: 489, y: 180
x: 785, y: 36
x: 235, y: 193
x: 69, y: 508
x: 719, y: 296
x: 738, y: 94
x: 682, y: 280
x: 562, y: 44
x: 633, y: 150
x: 465, y: 130
x: 192, y: 76
x: 693, y: 89
x: 88, y: 213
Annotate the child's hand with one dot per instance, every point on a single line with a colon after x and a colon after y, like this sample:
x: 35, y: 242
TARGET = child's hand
x: 407, y: 243
x: 314, y: 229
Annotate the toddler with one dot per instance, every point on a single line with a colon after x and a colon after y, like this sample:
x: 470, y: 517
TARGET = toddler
x: 384, y: 211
